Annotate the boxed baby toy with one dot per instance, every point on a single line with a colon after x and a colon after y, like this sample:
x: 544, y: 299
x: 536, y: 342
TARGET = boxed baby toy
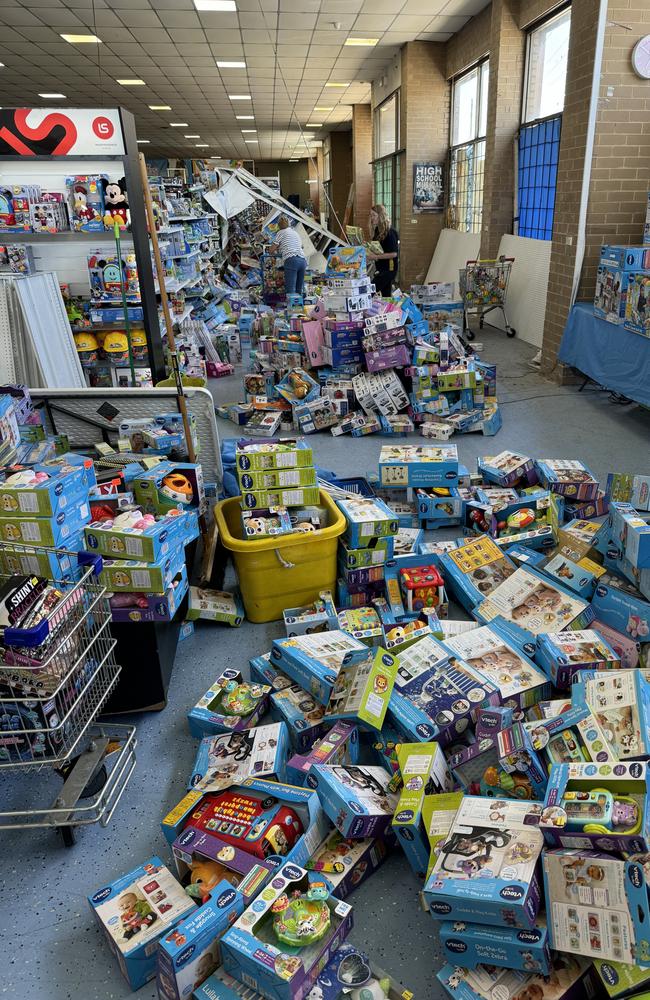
x: 620, y: 701
x: 562, y: 654
x: 254, y: 456
x: 415, y: 465
x: 377, y: 552
x: 339, y: 746
x: 44, y: 490
x: 344, y: 864
x: 363, y: 623
x: 620, y: 979
x: 230, y: 705
x: 474, y: 569
x: 619, y: 605
x: 571, y: 978
x: 350, y: 973
x: 367, y: 518
x: 169, y: 485
x: 313, y: 661
x: 534, y: 603
x: 191, y: 951
x: 580, y: 577
x: 630, y: 532
x: 568, y: 478
x: 358, y: 800
x: 508, y: 469
x: 486, y: 866
x: 301, y: 713
x: 317, y: 617
x: 506, y: 947
x: 424, y: 772
x: 148, y: 578
x: 45, y: 531
x: 215, y: 606
x: 362, y: 690
x: 132, y: 535
x: 135, y: 911
x: 280, y: 943
x: 228, y: 759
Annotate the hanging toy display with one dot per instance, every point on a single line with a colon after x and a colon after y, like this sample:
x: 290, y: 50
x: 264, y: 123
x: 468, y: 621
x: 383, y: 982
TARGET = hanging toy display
x: 240, y: 699
x: 304, y: 918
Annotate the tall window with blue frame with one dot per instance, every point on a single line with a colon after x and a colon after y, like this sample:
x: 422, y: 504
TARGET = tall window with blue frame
x: 538, y: 142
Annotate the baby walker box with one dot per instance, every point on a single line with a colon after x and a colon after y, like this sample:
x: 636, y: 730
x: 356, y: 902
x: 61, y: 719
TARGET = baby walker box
x: 424, y: 773
x: 418, y: 465
x: 227, y: 759
x: 230, y: 705
x: 135, y: 911
x: 486, y: 866
x: 313, y: 661
x: 285, y: 938
x: 358, y: 800
x: 191, y: 952
x: 524, y: 948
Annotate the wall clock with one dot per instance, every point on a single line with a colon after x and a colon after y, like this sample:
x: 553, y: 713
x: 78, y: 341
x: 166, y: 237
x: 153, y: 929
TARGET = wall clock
x: 641, y: 58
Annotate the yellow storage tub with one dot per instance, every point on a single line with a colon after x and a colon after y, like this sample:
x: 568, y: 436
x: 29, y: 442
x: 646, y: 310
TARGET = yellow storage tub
x: 285, y: 571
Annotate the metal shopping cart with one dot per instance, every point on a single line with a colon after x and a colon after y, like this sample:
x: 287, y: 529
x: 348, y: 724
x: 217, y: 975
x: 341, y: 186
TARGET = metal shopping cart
x: 483, y: 287
x: 59, y: 767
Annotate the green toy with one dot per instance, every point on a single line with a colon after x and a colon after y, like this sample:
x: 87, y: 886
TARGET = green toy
x: 304, y: 919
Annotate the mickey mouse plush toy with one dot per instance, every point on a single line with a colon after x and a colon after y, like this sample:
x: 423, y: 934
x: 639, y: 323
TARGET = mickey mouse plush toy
x: 115, y: 203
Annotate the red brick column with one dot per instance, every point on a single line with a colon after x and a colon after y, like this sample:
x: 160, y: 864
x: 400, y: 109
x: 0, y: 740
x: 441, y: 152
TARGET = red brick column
x: 361, y: 163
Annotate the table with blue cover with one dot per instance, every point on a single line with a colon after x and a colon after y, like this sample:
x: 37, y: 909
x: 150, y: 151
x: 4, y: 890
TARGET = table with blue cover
x: 608, y: 354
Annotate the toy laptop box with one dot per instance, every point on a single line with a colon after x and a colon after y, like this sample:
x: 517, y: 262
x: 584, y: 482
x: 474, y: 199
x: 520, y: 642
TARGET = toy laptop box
x: 486, y: 867
x: 313, y: 661
x: 621, y: 979
x: 257, y: 456
x: 228, y: 759
x: 597, y: 905
x: 43, y: 490
x: 282, y: 941
x: 317, y: 617
x: 230, y: 705
x: 535, y: 603
x: 362, y: 690
x: 507, y: 469
x: 344, y: 864
x: 620, y: 701
x: 418, y: 465
x: 351, y: 973
x: 135, y: 911
x: 191, y: 951
x: 492, y: 652
x: 302, y: 715
x: 435, y: 694
x: 568, y: 478
x: 571, y: 978
x: 357, y: 799
x: 474, y: 569
x: 562, y: 654
x: 424, y: 772
x: 367, y: 518
x: 339, y: 746
x: 507, y: 947
x: 597, y: 806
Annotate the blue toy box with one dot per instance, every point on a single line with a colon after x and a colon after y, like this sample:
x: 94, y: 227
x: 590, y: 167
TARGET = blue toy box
x: 485, y: 871
x: 169, y: 485
x: 610, y: 297
x: 129, y: 576
x: 619, y: 605
x: 630, y: 532
x: 533, y: 602
x: 313, y: 661
x: 137, y: 910
x: 474, y: 569
x: 418, y: 465
x: 506, y: 947
x: 572, y: 978
x: 507, y: 469
x: 562, y: 654
x: 191, y: 952
x: 424, y: 773
x: 65, y: 487
x: 357, y: 799
x: 351, y: 973
x: 367, y: 518
x: 45, y: 531
x: 568, y: 477
x: 148, y: 544
x: 620, y: 701
x: 343, y: 864
x: 302, y: 715
x: 228, y: 759
x: 634, y: 258
x: 578, y: 577
x: 441, y: 511
x: 206, y: 717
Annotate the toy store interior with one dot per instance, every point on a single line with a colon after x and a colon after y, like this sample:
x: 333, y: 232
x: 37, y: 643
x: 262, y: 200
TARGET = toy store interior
x: 325, y: 499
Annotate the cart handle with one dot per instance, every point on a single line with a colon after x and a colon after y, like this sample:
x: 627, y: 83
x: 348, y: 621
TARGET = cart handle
x: 491, y: 260
x: 90, y: 559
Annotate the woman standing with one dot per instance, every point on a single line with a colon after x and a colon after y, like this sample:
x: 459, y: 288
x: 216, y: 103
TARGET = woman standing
x: 386, y: 262
x: 293, y: 259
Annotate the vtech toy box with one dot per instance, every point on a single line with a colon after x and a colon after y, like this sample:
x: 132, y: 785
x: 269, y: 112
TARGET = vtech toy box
x: 357, y: 799
x: 507, y: 947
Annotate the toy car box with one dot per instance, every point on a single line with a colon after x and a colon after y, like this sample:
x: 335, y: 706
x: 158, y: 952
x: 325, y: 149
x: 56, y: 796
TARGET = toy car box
x: 572, y: 978
x: 357, y: 799
x: 45, y: 531
x: 486, y: 867
x: 215, y: 606
x: 253, y: 953
x: 568, y: 478
x: 191, y: 951
x: 313, y: 661
x: 301, y: 713
x: 626, y: 782
x: 435, y: 694
x: 228, y: 759
x: 474, y: 569
x: 362, y: 690
x: 534, y: 603
x: 212, y: 715
x: 148, y: 544
x: 169, y: 485
x: 135, y: 911
x: 506, y: 947
x: 367, y: 518
x: 418, y: 465
x: 339, y: 746
x: 317, y: 617
x: 597, y: 905
x: 424, y: 772
x: 562, y: 654
x: 508, y: 469
x: 64, y: 487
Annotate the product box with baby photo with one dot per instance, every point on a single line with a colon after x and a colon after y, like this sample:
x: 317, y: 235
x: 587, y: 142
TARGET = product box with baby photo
x: 571, y: 978
x: 302, y: 715
x: 137, y: 910
x: 620, y: 701
x: 535, y: 603
x: 228, y: 759
x: 474, y: 569
x: 508, y: 468
x: 313, y: 661
x: 563, y: 654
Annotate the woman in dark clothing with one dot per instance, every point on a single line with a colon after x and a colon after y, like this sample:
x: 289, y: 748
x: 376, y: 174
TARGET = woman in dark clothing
x: 385, y: 263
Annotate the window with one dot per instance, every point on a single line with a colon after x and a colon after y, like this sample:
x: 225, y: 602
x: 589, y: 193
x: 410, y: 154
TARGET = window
x: 467, y: 154
x: 546, y: 62
x: 386, y: 130
x: 386, y: 187
x: 538, y: 141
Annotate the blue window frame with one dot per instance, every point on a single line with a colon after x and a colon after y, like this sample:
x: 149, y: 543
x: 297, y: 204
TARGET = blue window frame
x: 538, y: 151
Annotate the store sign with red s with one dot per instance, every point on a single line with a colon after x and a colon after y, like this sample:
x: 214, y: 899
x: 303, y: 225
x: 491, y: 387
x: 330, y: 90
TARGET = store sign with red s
x: 28, y: 132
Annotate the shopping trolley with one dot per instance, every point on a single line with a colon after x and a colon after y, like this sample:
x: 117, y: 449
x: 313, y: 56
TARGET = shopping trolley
x: 483, y: 287
x: 59, y: 767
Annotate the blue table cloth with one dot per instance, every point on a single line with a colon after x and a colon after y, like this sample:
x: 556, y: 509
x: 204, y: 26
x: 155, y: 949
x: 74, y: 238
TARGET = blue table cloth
x: 608, y: 354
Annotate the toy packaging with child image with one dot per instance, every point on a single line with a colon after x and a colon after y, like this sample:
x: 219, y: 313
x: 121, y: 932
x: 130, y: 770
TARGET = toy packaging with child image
x: 320, y: 616
x: 368, y: 518
x: 534, y: 603
x: 191, y: 951
x: 568, y: 478
x: 486, y: 866
x: 597, y: 905
x: 313, y: 661
x: 571, y: 978
x: 135, y: 911
x: 508, y: 469
x: 580, y: 577
x: 340, y: 745
x: 344, y: 864
x: 358, y: 800
x: 362, y: 690
x: 506, y: 947
x: 230, y: 758
x: 562, y: 655
x: 351, y: 973
x: 230, y: 705
x: 474, y: 569
x: 424, y: 773
x: 620, y: 702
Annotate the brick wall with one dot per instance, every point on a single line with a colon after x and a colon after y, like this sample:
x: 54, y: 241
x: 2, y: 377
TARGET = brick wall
x: 361, y: 163
x: 340, y: 147
x: 424, y: 130
x: 533, y: 10
x: 470, y: 44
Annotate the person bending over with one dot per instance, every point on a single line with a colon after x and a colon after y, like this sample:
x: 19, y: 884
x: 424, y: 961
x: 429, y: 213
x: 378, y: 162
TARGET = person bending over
x: 293, y: 259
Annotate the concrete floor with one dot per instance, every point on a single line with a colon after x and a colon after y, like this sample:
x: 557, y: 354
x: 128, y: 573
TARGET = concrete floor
x: 52, y: 947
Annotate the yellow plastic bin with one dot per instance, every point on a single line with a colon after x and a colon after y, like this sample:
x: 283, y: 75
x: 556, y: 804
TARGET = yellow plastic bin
x: 286, y: 571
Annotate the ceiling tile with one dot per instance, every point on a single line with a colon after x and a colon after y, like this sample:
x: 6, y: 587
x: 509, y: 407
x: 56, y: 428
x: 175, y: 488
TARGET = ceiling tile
x: 374, y: 22
x: 410, y: 22
x: 443, y: 23
x: 464, y: 7
x: 434, y: 36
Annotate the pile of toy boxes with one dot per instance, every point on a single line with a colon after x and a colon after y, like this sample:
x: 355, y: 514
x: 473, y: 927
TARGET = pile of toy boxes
x: 279, y: 488
x: 623, y: 287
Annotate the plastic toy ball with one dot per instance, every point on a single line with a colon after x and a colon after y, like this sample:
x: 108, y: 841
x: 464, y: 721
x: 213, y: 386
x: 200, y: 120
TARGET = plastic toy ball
x: 300, y: 921
x: 521, y: 519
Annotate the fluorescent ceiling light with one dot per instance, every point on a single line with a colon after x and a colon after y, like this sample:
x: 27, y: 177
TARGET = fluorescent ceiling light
x: 82, y: 39
x: 249, y: 130
x: 251, y: 140
x: 293, y: 159
x: 222, y: 5
x: 231, y: 65
x: 193, y: 135
x: 160, y: 107
x: 132, y: 83
x: 323, y: 109
x: 202, y: 145
x: 245, y: 118
x: 141, y: 142
x: 178, y: 124
x: 239, y: 97
x: 360, y: 41
x: 338, y: 84
x: 314, y: 124
x: 52, y: 97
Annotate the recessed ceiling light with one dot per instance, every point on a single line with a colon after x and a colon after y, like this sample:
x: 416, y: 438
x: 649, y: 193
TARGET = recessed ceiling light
x: 249, y: 130
x: 82, y: 39
x: 314, y: 124
x: 323, y: 109
x: 245, y: 118
x: 251, y: 140
x: 202, y: 145
x: 132, y: 83
x: 360, y: 41
x: 231, y: 65
x: 215, y: 5
x: 178, y: 124
x: 52, y: 97
x: 160, y: 107
x: 141, y: 142
x: 239, y: 97
x: 193, y: 135
x: 293, y: 159
x: 338, y: 84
